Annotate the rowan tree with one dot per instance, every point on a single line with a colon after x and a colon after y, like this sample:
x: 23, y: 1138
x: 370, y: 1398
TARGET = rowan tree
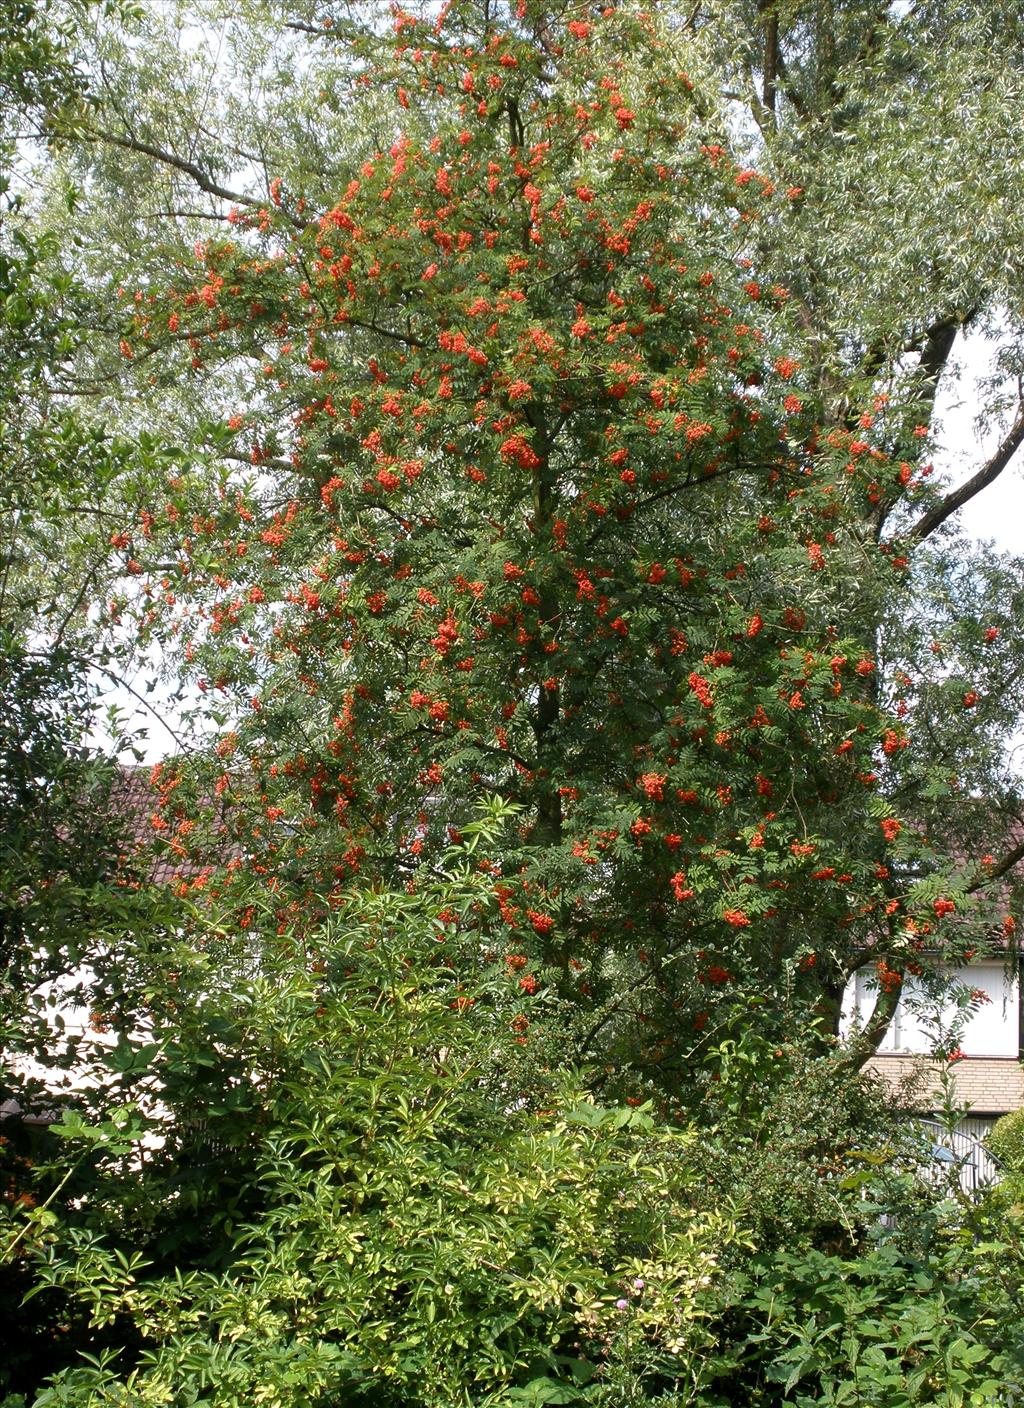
x: 390, y: 145
x: 551, y: 495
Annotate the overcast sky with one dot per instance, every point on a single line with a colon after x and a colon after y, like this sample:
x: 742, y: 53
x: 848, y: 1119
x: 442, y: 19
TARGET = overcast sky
x: 996, y: 513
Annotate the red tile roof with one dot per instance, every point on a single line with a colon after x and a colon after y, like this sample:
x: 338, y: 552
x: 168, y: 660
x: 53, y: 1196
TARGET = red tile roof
x: 161, y: 842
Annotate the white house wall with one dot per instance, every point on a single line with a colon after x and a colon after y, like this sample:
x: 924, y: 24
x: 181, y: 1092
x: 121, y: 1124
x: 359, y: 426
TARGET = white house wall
x: 921, y: 1023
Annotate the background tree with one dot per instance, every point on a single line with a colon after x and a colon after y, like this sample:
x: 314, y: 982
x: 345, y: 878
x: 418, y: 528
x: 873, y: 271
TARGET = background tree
x: 57, y: 845
x: 62, y: 894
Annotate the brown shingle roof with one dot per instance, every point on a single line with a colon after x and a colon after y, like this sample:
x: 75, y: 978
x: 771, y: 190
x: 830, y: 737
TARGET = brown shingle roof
x: 165, y: 843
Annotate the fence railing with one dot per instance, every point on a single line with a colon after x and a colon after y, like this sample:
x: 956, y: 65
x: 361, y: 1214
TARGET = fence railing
x: 955, y: 1151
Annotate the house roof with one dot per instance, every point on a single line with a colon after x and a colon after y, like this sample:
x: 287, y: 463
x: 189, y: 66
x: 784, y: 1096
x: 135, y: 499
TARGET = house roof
x: 163, y: 840
x: 990, y: 1085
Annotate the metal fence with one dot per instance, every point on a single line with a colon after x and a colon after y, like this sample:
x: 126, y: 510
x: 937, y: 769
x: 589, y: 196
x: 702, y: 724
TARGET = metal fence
x: 961, y: 1153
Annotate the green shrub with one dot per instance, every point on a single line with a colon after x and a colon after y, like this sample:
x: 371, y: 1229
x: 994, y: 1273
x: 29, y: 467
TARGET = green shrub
x: 347, y: 1173
x: 1007, y: 1141
x: 890, y: 1328
x: 397, y: 1235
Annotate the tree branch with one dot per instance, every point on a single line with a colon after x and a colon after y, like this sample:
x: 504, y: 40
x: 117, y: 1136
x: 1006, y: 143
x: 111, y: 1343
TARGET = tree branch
x: 119, y: 680
x: 865, y: 1043
x: 782, y: 73
x: 938, y: 344
x: 189, y: 168
x: 985, y: 476
x: 934, y: 345
x: 771, y: 57
x: 997, y: 871
x: 264, y: 462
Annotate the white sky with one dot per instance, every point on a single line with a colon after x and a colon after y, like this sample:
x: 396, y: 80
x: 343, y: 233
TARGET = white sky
x: 997, y: 513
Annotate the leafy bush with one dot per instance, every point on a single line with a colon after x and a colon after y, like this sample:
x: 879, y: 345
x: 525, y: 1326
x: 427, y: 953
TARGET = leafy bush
x: 400, y: 1236
x: 890, y: 1327
x: 346, y: 1170
x: 1007, y: 1141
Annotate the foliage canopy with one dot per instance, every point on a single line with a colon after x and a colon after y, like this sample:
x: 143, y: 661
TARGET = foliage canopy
x: 509, y: 434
